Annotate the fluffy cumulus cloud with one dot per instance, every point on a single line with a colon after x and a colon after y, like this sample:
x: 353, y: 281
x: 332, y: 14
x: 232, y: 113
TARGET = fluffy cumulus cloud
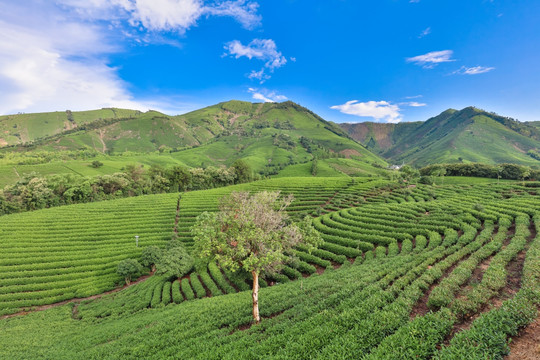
x: 165, y: 15
x: 475, y: 70
x: 378, y: 110
x: 57, y: 58
x: 266, y: 95
x: 260, y: 49
x: 432, y: 59
x: 52, y: 66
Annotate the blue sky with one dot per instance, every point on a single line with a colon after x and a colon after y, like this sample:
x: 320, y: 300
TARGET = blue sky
x: 347, y: 60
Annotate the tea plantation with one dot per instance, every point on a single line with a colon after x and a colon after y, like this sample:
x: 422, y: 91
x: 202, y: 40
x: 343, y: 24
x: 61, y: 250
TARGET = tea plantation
x: 408, y: 272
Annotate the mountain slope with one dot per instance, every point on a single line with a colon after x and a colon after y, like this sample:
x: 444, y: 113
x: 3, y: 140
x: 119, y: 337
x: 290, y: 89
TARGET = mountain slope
x: 24, y: 128
x: 469, y: 135
x: 269, y: 136
x: 379, y: 137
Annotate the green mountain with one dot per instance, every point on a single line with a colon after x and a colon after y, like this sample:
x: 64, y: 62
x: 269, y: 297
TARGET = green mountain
x: 468, y: 135
x: 271, y: 137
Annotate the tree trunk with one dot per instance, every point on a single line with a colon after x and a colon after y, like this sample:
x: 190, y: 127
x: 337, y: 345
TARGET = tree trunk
x: 255, y: 296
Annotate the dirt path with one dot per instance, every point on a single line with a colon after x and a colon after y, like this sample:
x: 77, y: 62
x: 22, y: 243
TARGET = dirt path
x: 101, y: 134
x: 233, y: 119
x: 75, y: 300
x: 177, y: 218
x: 513, y: 284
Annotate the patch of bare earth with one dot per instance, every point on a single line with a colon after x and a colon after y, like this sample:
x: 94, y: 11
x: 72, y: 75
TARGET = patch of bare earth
x: 349, y: 153
x: 526, y: 346
x: 319, y: 268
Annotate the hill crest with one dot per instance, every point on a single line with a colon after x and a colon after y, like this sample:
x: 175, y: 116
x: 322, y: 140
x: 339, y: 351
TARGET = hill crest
x: 470, y: 134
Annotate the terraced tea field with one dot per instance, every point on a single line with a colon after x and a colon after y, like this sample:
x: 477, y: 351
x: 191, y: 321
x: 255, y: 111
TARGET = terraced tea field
x: 62, y: 253
x: 444, y: 272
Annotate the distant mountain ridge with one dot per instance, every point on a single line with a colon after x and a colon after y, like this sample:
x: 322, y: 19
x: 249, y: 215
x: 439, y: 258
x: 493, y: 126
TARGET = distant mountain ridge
x: 269, y: 136
x: 275, y: 135
x: 467, y: 135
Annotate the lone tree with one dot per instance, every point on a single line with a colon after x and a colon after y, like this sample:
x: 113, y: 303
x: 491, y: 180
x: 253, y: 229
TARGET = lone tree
x: 128, y: 268
x: 252, y: 232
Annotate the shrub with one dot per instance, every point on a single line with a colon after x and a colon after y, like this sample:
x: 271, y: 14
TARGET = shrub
x: 176, y: 262
x: 151, y: 256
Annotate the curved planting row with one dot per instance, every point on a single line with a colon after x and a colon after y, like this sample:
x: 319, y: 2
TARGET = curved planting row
x: 61, y: 253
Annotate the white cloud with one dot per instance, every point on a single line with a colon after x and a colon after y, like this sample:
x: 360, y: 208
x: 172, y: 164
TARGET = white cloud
x: 259, y: 75
x: 57, y: 57
x: 475, y: 70
x: 260, y: 49
x: 425, y: 32
x: 432, y: 59
x: 55, y: 65
x: 266, y: 95
x: 164, y: 15
x: 242, y: 11
x: 414, y: 97
x: 379, y: 110
x: 414, y: 104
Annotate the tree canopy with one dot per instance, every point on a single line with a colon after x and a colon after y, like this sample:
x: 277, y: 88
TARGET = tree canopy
x: 252, y: 232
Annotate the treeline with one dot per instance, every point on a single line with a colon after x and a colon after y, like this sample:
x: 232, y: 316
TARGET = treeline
x: 35, y: 192
x: 43, y: 157
x: 501, y: 171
